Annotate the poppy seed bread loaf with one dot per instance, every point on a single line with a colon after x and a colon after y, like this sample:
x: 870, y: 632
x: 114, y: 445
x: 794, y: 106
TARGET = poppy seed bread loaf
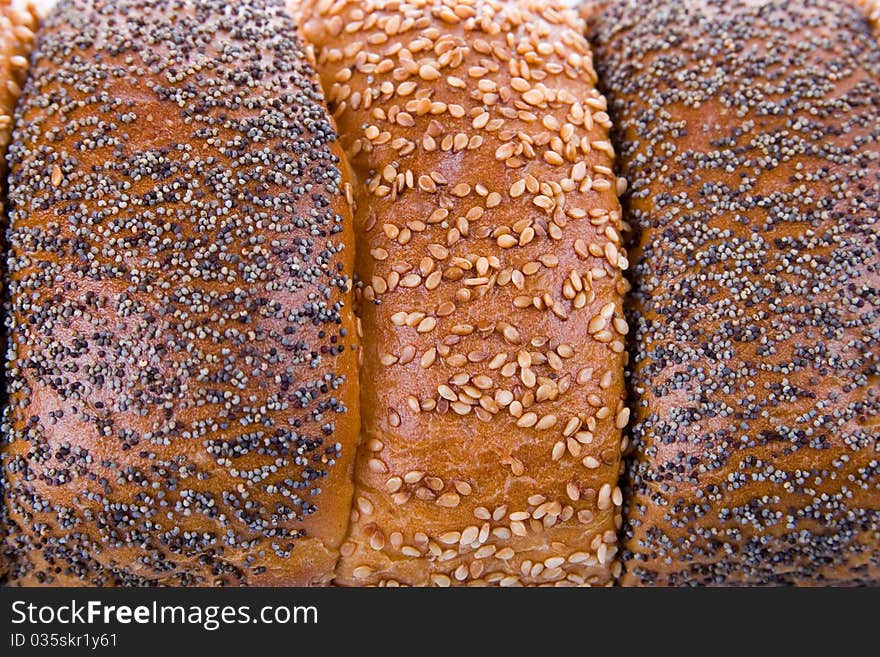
x: 181, y: 365
x: 16, y: 39
x: 749, y: 132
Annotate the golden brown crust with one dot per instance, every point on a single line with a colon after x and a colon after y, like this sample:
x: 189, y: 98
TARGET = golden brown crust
x: 748, y: 131
x: 181, y: 362
x: 491, y: 285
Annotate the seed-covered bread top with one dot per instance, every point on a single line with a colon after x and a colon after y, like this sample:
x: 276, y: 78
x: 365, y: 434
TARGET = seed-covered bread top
x: 749, y: 132
x: 490, y: 264
x: 181, y: 364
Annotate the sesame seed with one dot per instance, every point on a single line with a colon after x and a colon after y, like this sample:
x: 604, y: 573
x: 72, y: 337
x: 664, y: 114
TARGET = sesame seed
x: 534, y: 97
x: 428, y: 72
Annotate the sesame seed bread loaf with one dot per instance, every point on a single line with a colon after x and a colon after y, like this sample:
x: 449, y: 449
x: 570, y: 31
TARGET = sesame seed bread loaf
x: 490, y: 262
x: 182, y: 362
x: 748, y: 131
x: 17, y: 26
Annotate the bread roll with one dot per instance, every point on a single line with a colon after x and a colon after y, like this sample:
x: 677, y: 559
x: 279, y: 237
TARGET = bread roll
x: 182, y: 365
x: 490, y: 265
x: 748, y: 131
